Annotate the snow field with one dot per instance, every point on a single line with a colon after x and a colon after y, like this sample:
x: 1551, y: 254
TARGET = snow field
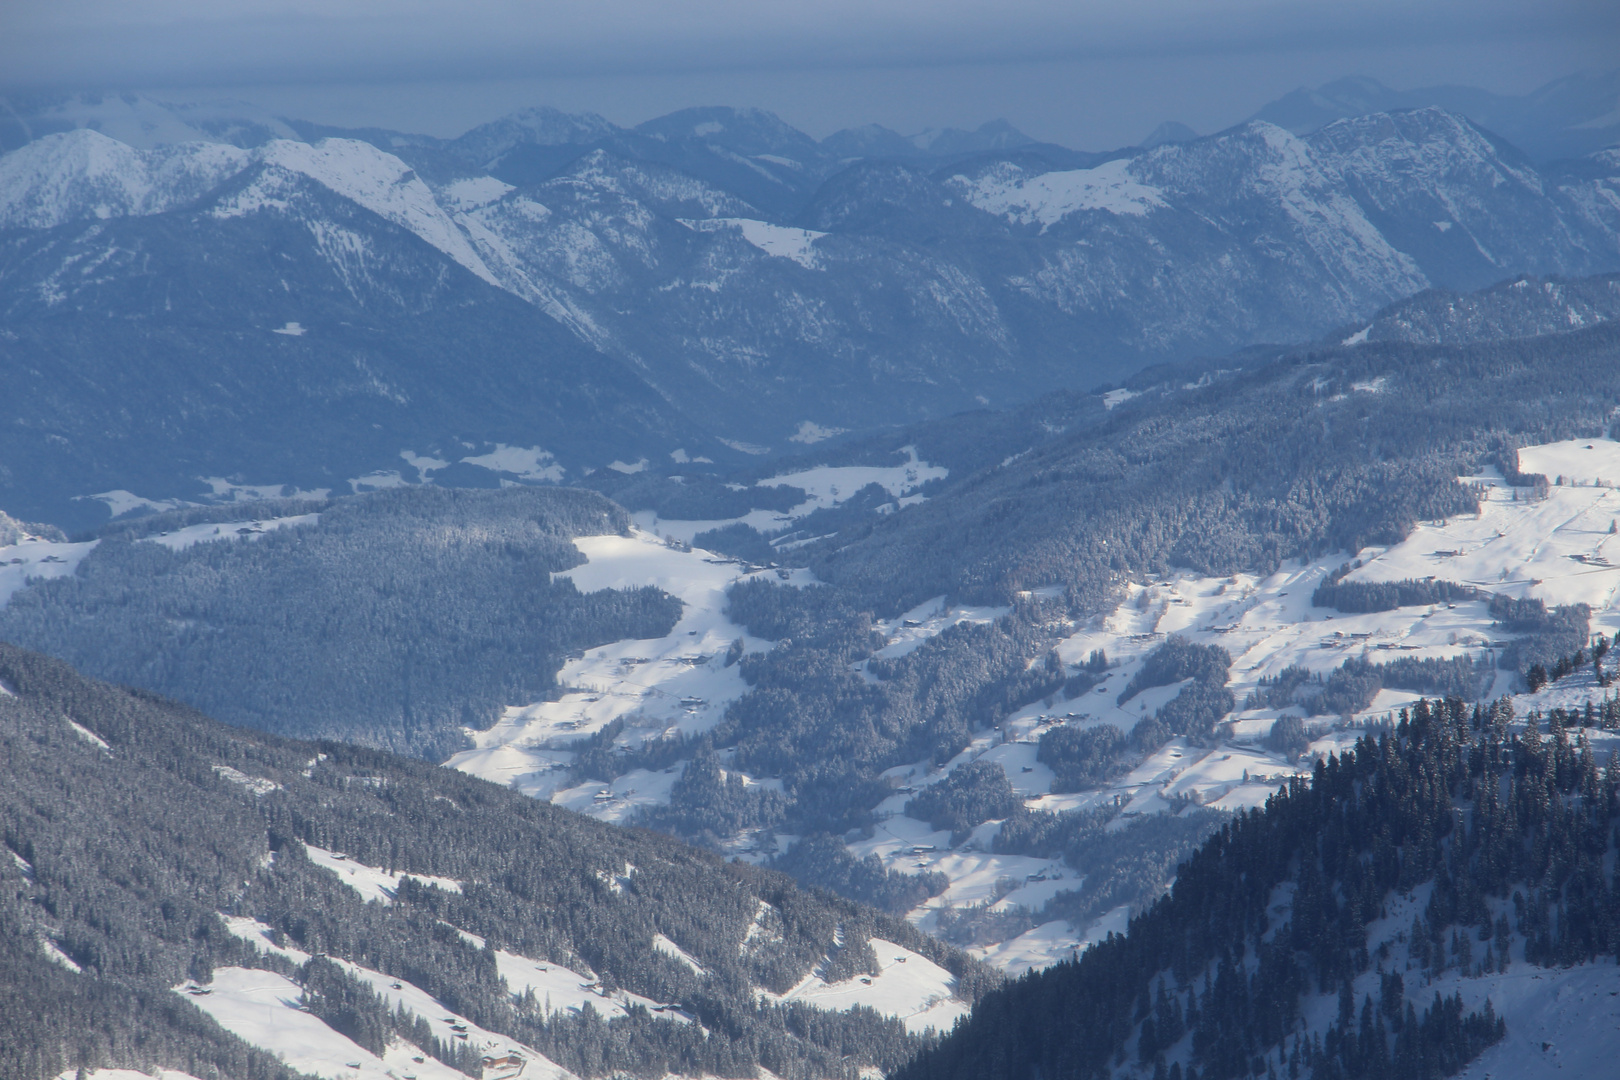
x: 261, y: 1008
x: 30, y: 560
x: 781, y: 241
x: 371, y: 883
x: 560, y: 989
x: 125, y: 1074
x: 909, y: 987
x: 1047, y: 198
x: 677, y: 684
x: 180, y: 539
x: 824, y: 486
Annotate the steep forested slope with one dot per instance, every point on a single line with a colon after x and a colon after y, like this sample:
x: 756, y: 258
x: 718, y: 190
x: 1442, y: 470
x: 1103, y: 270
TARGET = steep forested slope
x: 149, y: 849
x: 1304, y: 938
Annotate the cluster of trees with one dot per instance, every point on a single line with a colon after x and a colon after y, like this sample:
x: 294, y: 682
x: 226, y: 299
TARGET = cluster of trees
x: 1199, y: 706
x: 1351, y: 687
x: 1546, y: 635
x: 969, y: 794
x: 822, y: 861
x: 1513, y: 831
x: 1538, y: 676
x: 1363, y: 597
x: 1087, y: 757
x: 130, y: 854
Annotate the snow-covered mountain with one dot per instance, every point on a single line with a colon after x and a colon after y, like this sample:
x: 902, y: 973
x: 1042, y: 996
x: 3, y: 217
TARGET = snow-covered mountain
x: 1568, y: 117
x: 741, y: 273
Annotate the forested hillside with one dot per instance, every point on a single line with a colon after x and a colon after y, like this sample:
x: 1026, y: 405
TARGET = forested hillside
x: 1318, y: 450
x: 1332, y: 933
x: 151, y: 850
x: 391, y: 619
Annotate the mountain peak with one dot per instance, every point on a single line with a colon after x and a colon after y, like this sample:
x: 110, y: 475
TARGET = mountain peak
x: 1171, y: 131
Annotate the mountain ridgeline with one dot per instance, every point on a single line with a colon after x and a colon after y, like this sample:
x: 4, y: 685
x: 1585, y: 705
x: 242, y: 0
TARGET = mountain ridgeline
x: 1307, y: 938
x: 636, y: 297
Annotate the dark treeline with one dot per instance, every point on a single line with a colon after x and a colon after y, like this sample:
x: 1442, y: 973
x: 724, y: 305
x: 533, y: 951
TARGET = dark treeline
x: 1350, y: 687
x: 127, y: 857
x: 1363, y: 597
x: 1512, y: 833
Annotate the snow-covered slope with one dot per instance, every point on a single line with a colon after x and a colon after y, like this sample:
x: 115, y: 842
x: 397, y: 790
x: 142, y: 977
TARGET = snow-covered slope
x: 679, y: 684
x: 85, y: 174
x: 1521, y: 545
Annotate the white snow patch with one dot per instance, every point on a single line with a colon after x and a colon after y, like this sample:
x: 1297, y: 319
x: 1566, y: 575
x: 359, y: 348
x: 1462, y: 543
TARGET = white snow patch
x: 664, y: 945
x: 223, y: 490
x: 908, y: 986
x: 1371, y: 386
x: 1033, y: 949
x: 118, y: 502
x: 262, y: 937
x: 1118, y: 397
x: 1048, y: 198
x: 753, y: 449
x: 1579, y: 461
x: 182, y: 538
x: 811, y: 432
x: 1358, y: 337
x: 425, y: 466
x: 557, y: 988
x: 56, y: 956
x: 31, y: 560
x: 88, y: 736
x: 125, y: 1074
x: 524, y: 462
x: 831, y: 484
x: 679, y: 683
x: 1560, y: 1022
x: 261, y: 1008
x: 371, y: 882
x: 381, y: 480
x: 291, y: 329
x: 628, y: 468
x: 258, y: 785
x: 781, y: 241
x: 475, y: 191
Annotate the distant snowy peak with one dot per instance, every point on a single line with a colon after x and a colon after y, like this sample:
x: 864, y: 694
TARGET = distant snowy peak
x: 381, y: 183
x: 1443, y: 146
x: 1044, y: 199
x: 545, y: 126
x: 660, y: 187
x: 84, y: 174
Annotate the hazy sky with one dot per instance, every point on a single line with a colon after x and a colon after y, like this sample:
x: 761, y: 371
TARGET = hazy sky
x: 1079, y: 72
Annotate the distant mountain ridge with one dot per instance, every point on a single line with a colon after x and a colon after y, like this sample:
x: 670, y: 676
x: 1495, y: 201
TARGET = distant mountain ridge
x: 1566, y: 118
x: 739, y: 281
